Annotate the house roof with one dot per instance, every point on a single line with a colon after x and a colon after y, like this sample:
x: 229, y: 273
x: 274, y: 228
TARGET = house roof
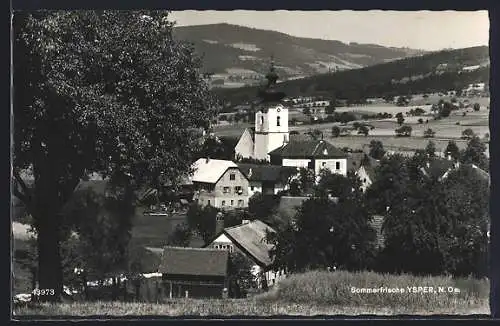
x: 437, y: 167
x: 309, y: 148
x: 274, y: 173
x: 149, y: 258
x: 210, y: 170
x: 354, y: 161
x: 250, y: 238
x: 194, y: 261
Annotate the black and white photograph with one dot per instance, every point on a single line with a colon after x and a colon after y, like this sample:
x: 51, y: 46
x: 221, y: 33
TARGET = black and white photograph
x: 249, y: 163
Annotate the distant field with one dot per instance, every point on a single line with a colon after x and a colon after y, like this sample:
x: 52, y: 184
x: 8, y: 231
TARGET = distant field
x: 309, y: 294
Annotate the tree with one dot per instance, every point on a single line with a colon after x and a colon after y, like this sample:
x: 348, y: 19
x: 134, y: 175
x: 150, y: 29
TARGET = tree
x: 420, y: 121
x: 400, y: 118
x: 476, y: 107
x: 181, y: 236
x: 330, y: 109
x: 474, y: 153
x: 429, y: 133
x: 202, y: 220
x: 93, y: 93
x: 430, y: 149
x: 315, y: 134
x: 468, y: 134
x: 306, y: 111
x: 240, y: 275
x: 261, y: 206
x: 452, y: 150
x: 363, y: 130
x: 404, y: 131
x: 335, y: 131
x: 445, y: 110
x: 402, y: 101
x: 376, y: 149
x: 303, y: 183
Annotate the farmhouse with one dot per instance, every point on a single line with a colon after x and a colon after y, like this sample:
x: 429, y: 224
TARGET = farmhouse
x: 219, y: 183
x: 194, y: 272
x: 249, y: 239
x: 267, y: 179
x: 312, y: 154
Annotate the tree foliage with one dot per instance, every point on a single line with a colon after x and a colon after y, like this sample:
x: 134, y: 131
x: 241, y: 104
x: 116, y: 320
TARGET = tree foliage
x: 376, y: 149
x: 104, y: 91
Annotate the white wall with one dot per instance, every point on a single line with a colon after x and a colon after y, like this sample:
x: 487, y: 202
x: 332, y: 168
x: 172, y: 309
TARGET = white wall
x: 332, y: 165
x: 300, y: 163
x: 245, y: 145
x: 365, y: 179
x: 268, y: 135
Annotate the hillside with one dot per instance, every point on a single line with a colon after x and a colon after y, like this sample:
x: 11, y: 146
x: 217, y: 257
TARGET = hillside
x: 231, y: 50
x: 434, y: 72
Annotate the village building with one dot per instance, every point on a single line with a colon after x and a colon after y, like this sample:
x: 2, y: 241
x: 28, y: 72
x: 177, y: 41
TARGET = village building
x: 271, y: 123
x: 267, y: 179
x: 311, y: 154
x: 219, y: 183
x: 249, y: 239
x: 194, y: 272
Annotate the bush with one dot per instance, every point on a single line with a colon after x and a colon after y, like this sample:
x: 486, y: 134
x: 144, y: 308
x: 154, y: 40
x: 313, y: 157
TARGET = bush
x: 420, y: 121
x: 335, y: 131
x: 404, y: 131
x: 429, y: 133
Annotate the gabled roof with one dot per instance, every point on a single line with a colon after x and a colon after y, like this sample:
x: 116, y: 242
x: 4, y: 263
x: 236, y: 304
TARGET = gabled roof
x: 250, y: 238
x: 210, y: 170
x: 274, y: 173
x: 437, y: 167
x: 308, y: 148
x: 194, y: 261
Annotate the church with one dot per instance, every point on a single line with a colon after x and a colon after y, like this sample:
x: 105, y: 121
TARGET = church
x: 269, y: 139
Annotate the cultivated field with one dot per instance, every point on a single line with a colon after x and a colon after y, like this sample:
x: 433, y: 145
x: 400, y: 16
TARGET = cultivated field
x: 308, y: 294
x: 445, y: 129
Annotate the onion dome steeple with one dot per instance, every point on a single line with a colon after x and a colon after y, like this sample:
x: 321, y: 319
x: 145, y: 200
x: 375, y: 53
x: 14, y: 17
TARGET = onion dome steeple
x: 268, y: 93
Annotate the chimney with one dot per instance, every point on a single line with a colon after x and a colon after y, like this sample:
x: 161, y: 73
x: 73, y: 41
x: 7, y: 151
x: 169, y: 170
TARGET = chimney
x: 207, y: 160
x: 250, y: 173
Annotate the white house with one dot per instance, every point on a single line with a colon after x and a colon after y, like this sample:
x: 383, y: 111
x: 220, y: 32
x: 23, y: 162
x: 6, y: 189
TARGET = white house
x: 312, y: 154
x: 249, y: 238
x: 267, y: 179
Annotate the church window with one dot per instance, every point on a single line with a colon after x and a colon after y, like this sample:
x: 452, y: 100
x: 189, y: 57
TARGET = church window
x: 261, y: 120
x: 232, y: 202
x: 223, y: 203
x: 323, y: 164
x: 337, y: 165
x: 278, y: 121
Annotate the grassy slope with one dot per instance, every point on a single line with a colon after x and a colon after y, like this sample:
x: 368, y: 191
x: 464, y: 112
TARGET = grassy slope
x: 308, y: 294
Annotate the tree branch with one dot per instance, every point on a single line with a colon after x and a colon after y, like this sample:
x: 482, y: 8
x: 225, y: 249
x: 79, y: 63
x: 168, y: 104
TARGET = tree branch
x: 26, y: 196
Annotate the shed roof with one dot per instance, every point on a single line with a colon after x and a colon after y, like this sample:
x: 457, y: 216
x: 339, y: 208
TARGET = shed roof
x: 194, y: 261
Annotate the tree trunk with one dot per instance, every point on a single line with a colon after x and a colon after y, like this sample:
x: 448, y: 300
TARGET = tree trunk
x: 49, y: 258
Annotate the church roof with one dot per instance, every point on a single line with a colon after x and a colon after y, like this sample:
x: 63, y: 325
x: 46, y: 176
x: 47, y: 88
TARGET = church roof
x: 307, y: 149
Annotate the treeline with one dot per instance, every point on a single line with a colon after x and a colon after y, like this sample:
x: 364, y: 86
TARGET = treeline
x: 430, y: 225
x: 384, y: 79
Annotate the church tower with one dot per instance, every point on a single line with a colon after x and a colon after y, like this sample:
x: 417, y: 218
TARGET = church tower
x: 271, y: 119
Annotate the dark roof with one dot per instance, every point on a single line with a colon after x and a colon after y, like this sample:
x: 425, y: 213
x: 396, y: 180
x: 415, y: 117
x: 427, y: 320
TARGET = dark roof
x: 309, y: 148
x: 194, y: 261
x: 259, y: 172
x: 149, y: 258
x: 437, y: 167
x: 250, y: 238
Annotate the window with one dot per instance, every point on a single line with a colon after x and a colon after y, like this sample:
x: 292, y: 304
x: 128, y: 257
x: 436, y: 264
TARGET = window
x: 278, y: 121
x: 232, y: 177
x: 226, y: 190
x: 261, y: 120
x: 208, y: 202
x: 232, y: 202
x: 364, y: 180
x: 337, y: 165
x: 252, y: 188
x: 323, y: 164
x: 238, y: 190
x: 223, y: 203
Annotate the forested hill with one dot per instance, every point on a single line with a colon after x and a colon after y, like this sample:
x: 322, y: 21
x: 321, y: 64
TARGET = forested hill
x: 435, y: 72
x: 228, y: 49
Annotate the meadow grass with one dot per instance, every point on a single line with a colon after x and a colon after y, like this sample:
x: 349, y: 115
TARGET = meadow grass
x: 309, y: 294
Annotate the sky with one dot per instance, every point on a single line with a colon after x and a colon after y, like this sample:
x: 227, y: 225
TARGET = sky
x: 425, y: 30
